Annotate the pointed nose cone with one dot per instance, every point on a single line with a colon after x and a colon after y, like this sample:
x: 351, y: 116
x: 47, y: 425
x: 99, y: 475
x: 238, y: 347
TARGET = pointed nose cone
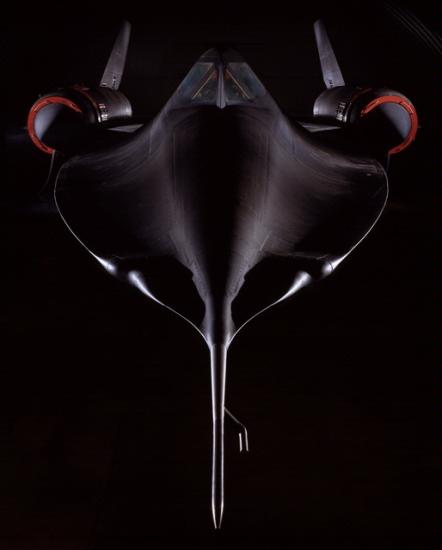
x: 217, y: 512
x: 218, y: 477
x: 218, y: 376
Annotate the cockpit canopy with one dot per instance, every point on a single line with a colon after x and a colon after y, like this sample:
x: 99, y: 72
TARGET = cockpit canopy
x: 220, y: 80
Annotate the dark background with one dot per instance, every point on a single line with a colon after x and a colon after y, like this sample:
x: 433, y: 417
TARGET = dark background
x: 106, y: 419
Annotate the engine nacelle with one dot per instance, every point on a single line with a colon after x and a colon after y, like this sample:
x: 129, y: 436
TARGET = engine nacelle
x: 386, y: 113
x: 60, y: 121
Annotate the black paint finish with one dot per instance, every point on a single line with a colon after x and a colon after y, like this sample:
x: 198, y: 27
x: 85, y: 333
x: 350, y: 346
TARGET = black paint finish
x: 341, y: 436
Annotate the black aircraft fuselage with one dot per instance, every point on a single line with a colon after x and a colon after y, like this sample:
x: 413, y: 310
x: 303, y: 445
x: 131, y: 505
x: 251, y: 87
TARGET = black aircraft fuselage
x: 222, y: 206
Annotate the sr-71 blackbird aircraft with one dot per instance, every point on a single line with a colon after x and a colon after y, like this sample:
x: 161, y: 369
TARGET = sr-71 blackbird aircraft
x: 221, y: 206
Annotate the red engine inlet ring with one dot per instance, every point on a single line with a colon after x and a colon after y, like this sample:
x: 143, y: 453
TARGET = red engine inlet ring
x: 410, y: 110
x: 40, y: 104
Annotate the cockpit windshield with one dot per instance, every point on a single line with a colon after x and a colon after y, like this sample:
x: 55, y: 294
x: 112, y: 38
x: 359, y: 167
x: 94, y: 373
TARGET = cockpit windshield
x: 201, y: 83
x: 241, y: 83
x: 220, y: 83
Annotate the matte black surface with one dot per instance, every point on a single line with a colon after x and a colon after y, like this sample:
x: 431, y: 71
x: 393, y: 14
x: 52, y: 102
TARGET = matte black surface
x: 218, y: 182
x: 337, y: 386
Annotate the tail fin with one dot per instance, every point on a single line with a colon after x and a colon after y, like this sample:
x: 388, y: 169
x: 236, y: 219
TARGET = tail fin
x: 115, y: 65
x: 331, y: 72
